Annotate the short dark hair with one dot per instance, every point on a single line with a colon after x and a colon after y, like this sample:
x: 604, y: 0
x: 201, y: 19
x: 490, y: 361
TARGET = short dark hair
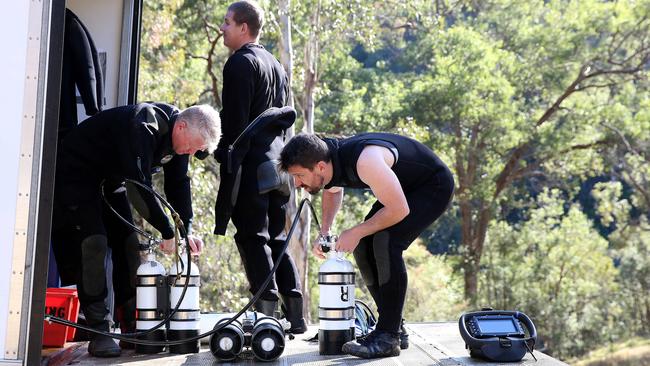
x: 305, y: 150
x: 248, y: 12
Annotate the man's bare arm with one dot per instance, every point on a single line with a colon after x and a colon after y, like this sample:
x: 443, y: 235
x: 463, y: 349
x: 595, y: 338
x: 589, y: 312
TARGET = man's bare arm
x: 331, y: 204
x: 374, y: 169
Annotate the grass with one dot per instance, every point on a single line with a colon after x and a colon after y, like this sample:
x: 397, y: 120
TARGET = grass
x: 633, y: 352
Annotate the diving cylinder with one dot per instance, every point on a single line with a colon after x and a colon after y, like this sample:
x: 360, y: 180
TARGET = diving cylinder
x: 336, y: 307
x: 227, y: 343
x: 152, y: 302
x: 267, y: 339
x: 186, y: 322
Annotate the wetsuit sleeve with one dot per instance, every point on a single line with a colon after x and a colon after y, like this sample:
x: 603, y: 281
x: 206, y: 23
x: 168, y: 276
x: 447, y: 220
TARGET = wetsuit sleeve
x: 238, y: 91
x: 139, y: 169
x: 177, y: 188
x: 84, y: 68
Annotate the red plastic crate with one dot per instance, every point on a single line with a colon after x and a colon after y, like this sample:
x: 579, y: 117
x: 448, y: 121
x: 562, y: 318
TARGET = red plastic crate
x: 62, y: 303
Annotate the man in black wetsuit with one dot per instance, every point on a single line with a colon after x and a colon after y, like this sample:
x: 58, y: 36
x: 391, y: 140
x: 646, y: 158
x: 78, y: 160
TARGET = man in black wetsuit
x: 254, y: 81
x: 124, y: 142
x: 413, y: 188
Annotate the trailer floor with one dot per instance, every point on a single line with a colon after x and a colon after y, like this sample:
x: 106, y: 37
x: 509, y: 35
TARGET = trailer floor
x: 431, y: 344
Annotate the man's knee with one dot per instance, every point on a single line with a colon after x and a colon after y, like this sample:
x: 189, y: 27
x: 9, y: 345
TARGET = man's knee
x: 381, y: 250
x: 93, y: 255
x: 365, y: 261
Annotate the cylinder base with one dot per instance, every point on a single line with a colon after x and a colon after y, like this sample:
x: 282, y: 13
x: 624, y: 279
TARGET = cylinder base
x: 157, y: 335
x: 331, y: 341
x: 188, y: 347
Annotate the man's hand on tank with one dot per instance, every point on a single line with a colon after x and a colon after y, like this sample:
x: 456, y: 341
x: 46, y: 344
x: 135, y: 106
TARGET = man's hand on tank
x: 196, y: 244
x: 348, y: 241
x: 168, y: 246
x: 316, y: 249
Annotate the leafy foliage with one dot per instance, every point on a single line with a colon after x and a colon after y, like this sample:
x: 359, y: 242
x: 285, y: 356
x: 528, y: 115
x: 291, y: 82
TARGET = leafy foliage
x: 546, y: 266
x: 526, y: 101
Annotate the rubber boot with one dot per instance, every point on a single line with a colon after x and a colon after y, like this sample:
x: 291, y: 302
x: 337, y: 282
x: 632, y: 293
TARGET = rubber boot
x: 403, y: 337
x: 100, y: 345
x: 266, y: 307
x: 292, y: 310
x: 377, y: 344
x: 125, y: 315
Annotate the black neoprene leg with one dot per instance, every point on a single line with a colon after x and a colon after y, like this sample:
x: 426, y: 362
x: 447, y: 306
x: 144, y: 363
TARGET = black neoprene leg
x: 426, y: 204
x: 365, y: 260
x: 250, y: 217
x: 123, y: 242
x: 84, y: 240
x: 286, y: 277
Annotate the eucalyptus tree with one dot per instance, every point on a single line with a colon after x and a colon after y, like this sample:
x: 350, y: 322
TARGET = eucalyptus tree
x: 513, y: 90
x: 555, y: 267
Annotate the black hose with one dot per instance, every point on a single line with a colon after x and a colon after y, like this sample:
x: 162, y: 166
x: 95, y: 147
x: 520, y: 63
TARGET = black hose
x: 183, y: 232
x: 221, y: 325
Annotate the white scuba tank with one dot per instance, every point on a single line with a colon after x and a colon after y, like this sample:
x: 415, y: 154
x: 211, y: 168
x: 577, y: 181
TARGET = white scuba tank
x: 186, y: 322
x: 152, y: 302
x: 336, y: 307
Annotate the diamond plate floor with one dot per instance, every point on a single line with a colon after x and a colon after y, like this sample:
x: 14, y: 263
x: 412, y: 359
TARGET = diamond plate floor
x: 431, y: 344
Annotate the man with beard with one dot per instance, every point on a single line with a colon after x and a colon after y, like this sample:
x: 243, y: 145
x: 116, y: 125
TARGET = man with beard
x: 413, y: 188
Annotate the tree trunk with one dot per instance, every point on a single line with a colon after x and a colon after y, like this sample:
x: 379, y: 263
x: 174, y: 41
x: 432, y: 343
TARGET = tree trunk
x: 470, y: 263
x: 311, y: 71
x: 299, y: 244
x: 286, y: 48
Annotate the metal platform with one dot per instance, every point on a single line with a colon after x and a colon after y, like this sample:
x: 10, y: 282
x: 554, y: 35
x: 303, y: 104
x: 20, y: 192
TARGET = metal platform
x: 431, y: 344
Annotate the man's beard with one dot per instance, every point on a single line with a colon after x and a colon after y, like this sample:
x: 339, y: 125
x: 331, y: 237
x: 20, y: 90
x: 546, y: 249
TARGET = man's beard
x: 316, y: 189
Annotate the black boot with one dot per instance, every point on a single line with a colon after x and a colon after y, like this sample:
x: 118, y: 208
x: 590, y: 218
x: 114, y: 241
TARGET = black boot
x: 100, y: 345
x: 377, y: 344
x: 403, y: 337
x: 292, y: 309
x: 125, y: 315
x: 266, y: 307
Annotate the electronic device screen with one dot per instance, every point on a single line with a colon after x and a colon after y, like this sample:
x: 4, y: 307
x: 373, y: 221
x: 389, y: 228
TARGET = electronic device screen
x: 496, y: 326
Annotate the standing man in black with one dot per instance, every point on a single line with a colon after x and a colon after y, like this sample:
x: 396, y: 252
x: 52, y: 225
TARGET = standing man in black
x: 254, y: 81
x: 125, y: 142
x: 413, y: 188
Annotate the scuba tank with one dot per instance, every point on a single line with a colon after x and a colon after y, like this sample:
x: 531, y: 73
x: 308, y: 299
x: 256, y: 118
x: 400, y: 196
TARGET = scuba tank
x: 336, y: 307
x: 185, y: 323
x: 152, y: 301
x: 254, y: 334
x: 227, y: 343
x: 267, y: 339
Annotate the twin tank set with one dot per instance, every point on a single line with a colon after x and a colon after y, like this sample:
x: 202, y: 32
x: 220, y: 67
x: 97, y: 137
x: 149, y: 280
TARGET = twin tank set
x: 155, y: 291
x: 262, y: 335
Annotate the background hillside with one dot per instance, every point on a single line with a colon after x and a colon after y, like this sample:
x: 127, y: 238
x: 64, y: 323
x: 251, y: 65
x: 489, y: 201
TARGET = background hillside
x: 540, y: 108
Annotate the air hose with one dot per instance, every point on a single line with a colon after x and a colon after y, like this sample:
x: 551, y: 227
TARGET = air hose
x: 129, y: 336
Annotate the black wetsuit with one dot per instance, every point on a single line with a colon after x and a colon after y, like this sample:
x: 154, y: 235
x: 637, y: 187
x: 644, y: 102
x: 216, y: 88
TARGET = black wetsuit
x: 253, y: 81
x: 81, y: 70
x: 124, y: 142
x: 428, y: 186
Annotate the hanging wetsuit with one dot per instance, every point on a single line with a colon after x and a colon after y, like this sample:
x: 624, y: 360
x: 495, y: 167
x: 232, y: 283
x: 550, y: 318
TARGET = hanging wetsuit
x: 254, y: 81
x: 118, y: 143
x: 428, y: 186
x: 81, y: 68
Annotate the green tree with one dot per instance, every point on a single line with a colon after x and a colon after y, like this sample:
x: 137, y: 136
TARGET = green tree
x: 631, y: 247
x: 555, y: 267
x: 513, y: 90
